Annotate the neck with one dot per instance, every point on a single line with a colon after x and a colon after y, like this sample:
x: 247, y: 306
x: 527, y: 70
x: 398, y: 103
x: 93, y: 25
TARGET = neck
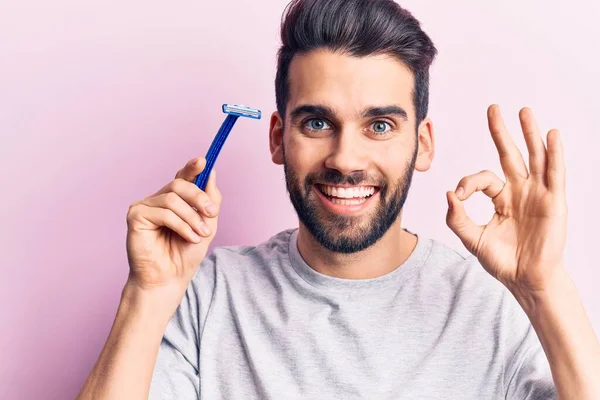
x: 387, y: 254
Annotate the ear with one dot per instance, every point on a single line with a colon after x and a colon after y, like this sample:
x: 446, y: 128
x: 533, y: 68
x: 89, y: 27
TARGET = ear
x: 276, y: 138
x: 426, y: 143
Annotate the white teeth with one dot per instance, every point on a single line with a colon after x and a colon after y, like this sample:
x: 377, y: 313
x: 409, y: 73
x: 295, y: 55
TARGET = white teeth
x: 346, y: 202
x: 356, y: 192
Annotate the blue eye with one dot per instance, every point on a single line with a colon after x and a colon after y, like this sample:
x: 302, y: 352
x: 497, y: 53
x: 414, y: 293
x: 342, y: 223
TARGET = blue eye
x: 380, y: 127
x: 317, y: 124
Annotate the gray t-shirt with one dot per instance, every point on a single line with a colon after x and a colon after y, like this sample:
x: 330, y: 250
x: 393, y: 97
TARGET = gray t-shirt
x: 258, y: 323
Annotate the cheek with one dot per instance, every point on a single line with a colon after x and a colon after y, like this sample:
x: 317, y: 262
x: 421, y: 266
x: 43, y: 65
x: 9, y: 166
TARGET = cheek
x: 304, y: 155
x: 393, y: 164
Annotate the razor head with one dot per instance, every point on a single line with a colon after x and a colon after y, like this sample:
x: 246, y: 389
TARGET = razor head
x: 241, y: 111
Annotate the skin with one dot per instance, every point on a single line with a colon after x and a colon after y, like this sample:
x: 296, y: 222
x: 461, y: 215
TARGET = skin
x: 166, y: 242
x: 522, y: 245
x: 350, y: 86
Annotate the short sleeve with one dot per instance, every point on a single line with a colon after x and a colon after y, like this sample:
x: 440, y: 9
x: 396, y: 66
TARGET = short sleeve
x: 176, y: 370
x: 527, y: 373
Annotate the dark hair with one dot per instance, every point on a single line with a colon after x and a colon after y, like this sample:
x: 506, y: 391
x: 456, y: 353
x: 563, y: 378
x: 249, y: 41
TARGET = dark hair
x: 360, y: 28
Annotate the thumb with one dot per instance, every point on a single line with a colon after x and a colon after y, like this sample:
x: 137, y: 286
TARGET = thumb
x: 211, y: 187
x: 460, y: 223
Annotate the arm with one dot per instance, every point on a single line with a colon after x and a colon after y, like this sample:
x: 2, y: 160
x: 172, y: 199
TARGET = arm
x: 567, y: 337
x: 522, y: 246
x: 168, y: 237
x: 124, y: 368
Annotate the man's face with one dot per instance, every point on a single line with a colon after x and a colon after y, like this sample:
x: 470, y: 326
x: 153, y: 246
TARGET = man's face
x: 349, y: 146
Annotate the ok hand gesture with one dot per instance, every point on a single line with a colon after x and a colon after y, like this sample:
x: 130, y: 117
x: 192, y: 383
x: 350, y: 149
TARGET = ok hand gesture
x: 522, y: 245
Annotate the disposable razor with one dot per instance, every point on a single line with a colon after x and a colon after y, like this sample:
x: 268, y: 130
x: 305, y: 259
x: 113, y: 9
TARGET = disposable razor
x: 233, y: 112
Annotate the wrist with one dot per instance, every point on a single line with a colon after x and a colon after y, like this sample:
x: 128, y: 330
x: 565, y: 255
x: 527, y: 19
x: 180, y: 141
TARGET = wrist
x: 557, y: 288
x: 154, y: 306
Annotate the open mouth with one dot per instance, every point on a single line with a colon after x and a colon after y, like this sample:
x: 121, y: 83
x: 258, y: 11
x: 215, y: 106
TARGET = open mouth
x: 347, y: 195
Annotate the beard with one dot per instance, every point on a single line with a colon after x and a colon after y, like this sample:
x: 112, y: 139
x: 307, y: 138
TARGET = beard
x: 343, y: 233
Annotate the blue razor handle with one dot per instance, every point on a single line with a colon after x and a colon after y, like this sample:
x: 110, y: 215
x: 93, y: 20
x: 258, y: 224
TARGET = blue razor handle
x: 233, y: 113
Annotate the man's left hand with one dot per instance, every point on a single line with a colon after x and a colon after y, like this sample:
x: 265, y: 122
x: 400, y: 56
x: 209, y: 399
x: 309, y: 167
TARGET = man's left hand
x: 523, y: 244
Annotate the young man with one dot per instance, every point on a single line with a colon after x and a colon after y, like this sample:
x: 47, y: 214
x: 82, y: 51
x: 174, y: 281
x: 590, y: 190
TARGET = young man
x: 350, y: 305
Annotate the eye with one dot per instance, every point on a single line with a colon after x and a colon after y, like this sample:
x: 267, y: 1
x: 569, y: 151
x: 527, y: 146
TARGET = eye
x: 381, y: 127
x: 317, y: 124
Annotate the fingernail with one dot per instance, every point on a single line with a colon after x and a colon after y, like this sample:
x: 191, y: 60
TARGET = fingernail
x: 460, y: 191
x: 205, y: 229
x: 210, y: 208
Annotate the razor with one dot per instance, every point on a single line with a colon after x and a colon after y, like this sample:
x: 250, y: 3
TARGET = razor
x: 233, y: 113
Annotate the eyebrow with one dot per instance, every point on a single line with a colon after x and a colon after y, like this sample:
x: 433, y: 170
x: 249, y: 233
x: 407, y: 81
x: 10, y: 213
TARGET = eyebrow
x: 322, y: 111
x: 329, y: 113
x: 387, y: 110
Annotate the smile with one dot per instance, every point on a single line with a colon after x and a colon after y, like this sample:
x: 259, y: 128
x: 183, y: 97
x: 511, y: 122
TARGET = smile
x: 346, y: 199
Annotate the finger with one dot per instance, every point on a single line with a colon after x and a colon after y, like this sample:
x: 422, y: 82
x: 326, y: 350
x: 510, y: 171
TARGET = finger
x: 191, y: 170
x: 167, y: 218
x: 510, y: 157
x: 535, y: 143
x: 193, y: 195
x: 460, y: 223
x: 484, y: 181
x: 172, y: 201
x: 556, y: 162
x: 211, y: 188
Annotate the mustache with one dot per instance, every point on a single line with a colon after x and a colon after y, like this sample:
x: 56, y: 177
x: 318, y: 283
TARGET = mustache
x: 334, y: 177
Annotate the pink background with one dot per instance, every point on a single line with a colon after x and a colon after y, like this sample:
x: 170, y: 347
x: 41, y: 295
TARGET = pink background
x: 101, y: 102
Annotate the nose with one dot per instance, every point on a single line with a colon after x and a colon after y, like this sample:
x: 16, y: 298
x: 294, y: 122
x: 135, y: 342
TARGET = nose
x: 347, y: 153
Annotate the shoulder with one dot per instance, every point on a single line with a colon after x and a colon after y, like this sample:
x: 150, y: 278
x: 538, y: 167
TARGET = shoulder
x: 452, y: 265
x: 463, y: 279
x: 471, y: 286
x: 479, y: 298
x: 247, y: 260
x: 244, y: 256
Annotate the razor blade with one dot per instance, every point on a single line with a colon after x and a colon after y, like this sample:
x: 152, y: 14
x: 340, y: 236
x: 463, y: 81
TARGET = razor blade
x: 241, y: 111
x: 233, y: 112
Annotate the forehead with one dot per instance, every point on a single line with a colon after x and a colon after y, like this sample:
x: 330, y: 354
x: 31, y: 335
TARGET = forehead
x: 349, y: 84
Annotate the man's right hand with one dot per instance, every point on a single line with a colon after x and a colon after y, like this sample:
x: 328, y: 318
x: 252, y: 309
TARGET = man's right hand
x: 165, y: 246
x: 169, y: 232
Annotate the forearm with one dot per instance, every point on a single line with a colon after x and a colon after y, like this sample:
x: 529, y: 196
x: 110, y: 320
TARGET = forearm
x: 124, y: 368
x: 567, y: 337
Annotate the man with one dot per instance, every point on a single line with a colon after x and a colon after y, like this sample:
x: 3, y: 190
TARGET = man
x: 350, y: 305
